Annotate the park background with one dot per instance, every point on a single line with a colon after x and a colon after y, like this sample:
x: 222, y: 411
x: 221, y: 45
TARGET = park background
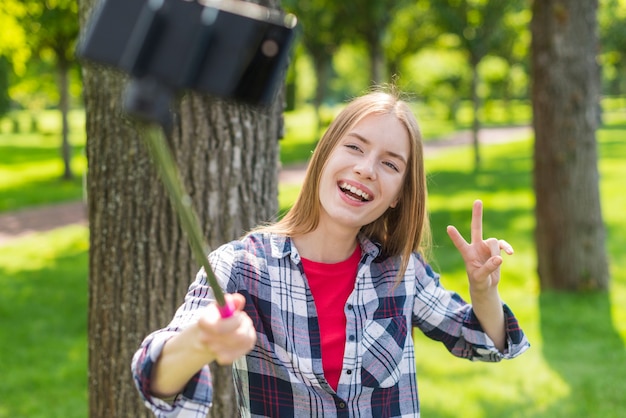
x: 577, y: 363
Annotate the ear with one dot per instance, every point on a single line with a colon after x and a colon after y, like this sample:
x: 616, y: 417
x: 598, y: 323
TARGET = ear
x: 394, y: 203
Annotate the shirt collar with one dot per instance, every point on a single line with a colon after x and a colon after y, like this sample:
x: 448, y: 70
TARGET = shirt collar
x: 282, y: 246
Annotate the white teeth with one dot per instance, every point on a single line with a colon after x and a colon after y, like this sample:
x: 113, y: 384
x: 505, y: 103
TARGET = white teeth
x: 358, y: 192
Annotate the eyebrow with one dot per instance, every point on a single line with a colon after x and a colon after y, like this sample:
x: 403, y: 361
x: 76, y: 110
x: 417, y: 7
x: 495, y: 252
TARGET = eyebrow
x: 367, y: 141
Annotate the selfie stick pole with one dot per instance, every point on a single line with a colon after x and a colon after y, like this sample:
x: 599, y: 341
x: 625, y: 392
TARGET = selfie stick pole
x: 162, y: 158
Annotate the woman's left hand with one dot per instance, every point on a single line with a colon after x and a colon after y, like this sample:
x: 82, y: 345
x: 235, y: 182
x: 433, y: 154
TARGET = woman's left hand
x: 482, y: 256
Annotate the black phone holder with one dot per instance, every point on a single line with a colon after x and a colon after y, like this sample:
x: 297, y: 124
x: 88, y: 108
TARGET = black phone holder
x: 230, y: 49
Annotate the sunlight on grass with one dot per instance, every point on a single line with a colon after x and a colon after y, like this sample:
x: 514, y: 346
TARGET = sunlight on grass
x: 612, y: 172
x: 448, y: 386
x: 31, y: 168
x: 21, y: 174
x: 43, y: 310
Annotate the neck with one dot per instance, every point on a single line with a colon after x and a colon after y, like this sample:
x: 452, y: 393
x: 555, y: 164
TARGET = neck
x: 325, y: 246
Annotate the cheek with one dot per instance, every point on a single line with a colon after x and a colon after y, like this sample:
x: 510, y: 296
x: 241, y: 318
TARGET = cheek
x: 395, y: 186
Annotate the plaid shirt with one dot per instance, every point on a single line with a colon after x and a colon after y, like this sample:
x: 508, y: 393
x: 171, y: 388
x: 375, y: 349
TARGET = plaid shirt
x: 283, y: 376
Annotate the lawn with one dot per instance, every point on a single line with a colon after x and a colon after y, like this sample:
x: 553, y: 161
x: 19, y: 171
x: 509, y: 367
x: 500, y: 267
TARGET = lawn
x: 575, y: 368
x: 31, y: 165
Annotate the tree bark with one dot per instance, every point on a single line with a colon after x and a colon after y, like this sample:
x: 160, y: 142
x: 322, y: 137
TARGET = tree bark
x: 570, y: 234
x: 140, y: 262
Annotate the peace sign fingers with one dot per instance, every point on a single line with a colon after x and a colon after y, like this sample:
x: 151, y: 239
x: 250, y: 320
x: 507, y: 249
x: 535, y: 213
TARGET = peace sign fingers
x: 476, y: 231
x: 477, y: 222
x: 481, y: 256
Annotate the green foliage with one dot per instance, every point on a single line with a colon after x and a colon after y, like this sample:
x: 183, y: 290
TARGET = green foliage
x: 443, y: 75
x: 13, y: 36
x: 350, y: 64
x: 40, y: 42
x: 52, y: 27
x: 612, y: 20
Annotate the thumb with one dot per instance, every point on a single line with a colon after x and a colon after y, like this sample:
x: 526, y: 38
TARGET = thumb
x: 491, y: 266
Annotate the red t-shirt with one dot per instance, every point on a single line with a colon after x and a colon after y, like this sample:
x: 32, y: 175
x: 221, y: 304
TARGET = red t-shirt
x: 331, y: 284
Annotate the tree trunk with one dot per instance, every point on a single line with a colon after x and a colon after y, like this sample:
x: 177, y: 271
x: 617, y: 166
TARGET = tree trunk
x: 64, y: 107
x: 377, y: 60
x: 570, y: 233
x: 475, y: 114
x: 140, y: 262
x: 322, y: 66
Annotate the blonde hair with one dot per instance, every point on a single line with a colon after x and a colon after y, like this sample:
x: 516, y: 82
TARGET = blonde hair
x: 400, y: 230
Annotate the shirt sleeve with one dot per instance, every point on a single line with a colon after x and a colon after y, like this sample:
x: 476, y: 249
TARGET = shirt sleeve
x: 444, y: 316
x: 196, y: 397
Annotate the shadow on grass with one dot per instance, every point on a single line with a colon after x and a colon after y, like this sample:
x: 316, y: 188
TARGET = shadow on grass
x: 43, y: 192
x: 581, y: 344
x: 506, y: 168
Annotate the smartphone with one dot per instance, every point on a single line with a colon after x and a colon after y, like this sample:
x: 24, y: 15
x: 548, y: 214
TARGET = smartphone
x: 231, y: 49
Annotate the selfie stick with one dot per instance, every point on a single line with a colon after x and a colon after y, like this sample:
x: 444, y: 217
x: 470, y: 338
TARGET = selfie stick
x: 148, y: 99
x: 162, y: 157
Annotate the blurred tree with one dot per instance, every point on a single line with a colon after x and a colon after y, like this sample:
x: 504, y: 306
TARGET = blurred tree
x: 477, y: 24
x: 5, y: 100
x: 368, y: 21
x: 612, y: 19
x: 140, y: 264
x: 52, y: 30
x: 512, y: 44
x: 321, y: 35
x: 570, y: 234
x: 411, y: 29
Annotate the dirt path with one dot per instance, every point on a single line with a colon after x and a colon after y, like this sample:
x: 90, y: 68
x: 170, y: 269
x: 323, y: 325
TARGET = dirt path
x: 17, y: 224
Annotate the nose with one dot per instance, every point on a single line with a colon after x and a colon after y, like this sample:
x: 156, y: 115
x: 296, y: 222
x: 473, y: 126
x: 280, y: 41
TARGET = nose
x: 366, y: 168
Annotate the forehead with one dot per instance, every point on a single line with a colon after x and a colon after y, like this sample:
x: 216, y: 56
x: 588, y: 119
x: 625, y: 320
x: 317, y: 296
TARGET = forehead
x: 384, y: 130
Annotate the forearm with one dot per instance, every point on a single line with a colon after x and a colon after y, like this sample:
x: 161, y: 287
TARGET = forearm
x: 182, y: 357
x: 488, y: 309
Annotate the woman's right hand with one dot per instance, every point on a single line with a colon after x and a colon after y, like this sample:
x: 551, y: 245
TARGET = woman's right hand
x: 211, y: 338
x: 226, y: 339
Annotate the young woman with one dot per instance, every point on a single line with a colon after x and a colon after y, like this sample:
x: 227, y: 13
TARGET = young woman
x: 328, y: 296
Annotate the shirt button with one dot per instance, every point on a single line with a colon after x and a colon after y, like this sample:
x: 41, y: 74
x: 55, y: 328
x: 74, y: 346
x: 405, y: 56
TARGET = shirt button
x: 349, y: 371
x: 350, y: 307
x: 351, y: 338
x: 341, y: 404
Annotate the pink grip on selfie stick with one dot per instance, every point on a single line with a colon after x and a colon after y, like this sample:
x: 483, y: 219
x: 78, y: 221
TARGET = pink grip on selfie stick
x: 227, y: 310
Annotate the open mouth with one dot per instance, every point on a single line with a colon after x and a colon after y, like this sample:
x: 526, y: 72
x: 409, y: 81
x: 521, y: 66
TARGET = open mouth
x: 354, y: 193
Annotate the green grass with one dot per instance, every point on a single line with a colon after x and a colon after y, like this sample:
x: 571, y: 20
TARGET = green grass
x: 43, y: 312
x: 577, y: 362
x: 30, y: 162
x: 575, y: 367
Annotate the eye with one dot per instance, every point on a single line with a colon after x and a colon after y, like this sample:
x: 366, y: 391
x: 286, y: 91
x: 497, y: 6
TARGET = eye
x: 353, y: 147
x: 392, y: 166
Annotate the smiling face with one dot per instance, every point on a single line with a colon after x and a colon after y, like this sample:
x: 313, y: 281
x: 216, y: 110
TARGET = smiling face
x: 364, y: 173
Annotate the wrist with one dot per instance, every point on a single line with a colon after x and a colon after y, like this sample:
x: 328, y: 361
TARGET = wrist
x: 484, y: 295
